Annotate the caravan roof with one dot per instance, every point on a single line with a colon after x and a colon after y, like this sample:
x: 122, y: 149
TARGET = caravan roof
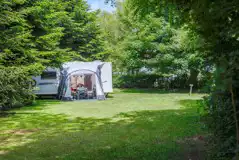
x: 82, y: 67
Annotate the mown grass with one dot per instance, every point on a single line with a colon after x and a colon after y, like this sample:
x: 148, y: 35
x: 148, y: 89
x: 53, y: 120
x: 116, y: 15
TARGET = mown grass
x: 127, y: 126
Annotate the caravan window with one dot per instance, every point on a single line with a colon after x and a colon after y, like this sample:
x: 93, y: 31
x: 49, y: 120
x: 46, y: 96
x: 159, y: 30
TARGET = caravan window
x: 48, y: 75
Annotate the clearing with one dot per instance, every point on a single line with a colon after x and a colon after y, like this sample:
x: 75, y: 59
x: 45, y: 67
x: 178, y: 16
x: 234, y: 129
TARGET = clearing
x: 131, y: 124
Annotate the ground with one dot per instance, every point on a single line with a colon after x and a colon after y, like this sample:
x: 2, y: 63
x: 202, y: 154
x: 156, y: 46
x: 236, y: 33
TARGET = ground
x: 130, y: 124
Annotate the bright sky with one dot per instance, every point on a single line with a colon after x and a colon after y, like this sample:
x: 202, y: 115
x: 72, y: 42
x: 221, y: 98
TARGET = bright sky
x: 100, y: 4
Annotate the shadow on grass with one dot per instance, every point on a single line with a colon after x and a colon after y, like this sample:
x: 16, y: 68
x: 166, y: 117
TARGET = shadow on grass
x: 110, y: 96
x: 37, y: 105
x: 40, y: 104
x: 135, y: 135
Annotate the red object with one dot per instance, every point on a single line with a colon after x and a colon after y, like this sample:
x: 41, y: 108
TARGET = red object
x: 73, y: 90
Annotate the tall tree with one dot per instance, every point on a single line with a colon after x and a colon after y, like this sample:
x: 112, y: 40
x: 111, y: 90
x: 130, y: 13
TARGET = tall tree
x: 47, y: 32
x: 218, y: 23
x: 152, y: 43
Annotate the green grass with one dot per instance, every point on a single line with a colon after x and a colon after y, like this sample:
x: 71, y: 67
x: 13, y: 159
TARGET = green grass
x: 138, y: 124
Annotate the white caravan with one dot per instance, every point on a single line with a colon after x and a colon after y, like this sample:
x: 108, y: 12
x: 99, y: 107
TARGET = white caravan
x: 96, y: 76
x: 48, y: 82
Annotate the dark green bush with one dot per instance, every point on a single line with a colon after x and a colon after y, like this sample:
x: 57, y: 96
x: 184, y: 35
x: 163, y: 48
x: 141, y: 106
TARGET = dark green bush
x: 15, y: 87
x: 221, y: 123
x: 151, y: 81
x: 135, y: 81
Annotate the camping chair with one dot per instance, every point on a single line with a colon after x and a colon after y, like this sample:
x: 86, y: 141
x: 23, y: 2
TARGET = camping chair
x: 81, y: 94
x: 90, y: 94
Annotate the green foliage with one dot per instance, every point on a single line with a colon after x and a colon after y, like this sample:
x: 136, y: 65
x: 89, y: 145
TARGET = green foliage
x: 36, y: 34
x: 15, y: 43
x: 111, y: 31
x: 164, y: 82
x: 153, y: 43
x: 217, y: 23
x: 47, y: 32
x: 220, y: 121
x: 15, y: 87
x: 135, y: 81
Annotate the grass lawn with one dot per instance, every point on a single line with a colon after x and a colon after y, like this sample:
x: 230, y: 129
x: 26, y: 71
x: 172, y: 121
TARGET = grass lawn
x: 130, y: 125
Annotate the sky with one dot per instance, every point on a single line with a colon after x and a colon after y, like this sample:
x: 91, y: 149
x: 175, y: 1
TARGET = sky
x: 100, y: 4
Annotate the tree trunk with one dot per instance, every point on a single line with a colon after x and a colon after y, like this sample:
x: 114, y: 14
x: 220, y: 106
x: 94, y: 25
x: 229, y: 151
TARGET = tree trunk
x: 235, y: 118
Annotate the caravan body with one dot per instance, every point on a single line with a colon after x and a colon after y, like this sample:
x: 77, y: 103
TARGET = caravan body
x: 48, y: 82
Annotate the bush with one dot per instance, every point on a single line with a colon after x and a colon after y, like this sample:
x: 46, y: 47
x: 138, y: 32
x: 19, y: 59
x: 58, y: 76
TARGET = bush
x: 15, y: 87
x: 150, y: 81
x: 221, y: 123
x: 134, y: 81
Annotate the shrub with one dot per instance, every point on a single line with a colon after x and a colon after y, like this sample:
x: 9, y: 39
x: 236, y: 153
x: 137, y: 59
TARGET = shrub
x: 15, y: 87
x: 221, y: 123
x: 135, y: 81
x: 151, y: 81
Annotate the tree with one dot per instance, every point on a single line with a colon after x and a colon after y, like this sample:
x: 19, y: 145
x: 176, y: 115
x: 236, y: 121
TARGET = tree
x: 36, y: 34
x: 81, y: 31
x: 217, y: 22
x: 151, y: 43
x: 47, y: 32
x: 16, y: 46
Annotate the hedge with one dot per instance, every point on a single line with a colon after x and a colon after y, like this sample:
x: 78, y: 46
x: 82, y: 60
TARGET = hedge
x: 152, y: 81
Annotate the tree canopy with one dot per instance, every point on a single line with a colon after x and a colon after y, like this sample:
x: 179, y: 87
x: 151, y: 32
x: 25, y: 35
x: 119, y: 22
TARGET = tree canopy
x: 46, y: 32
x: 134, y: 43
